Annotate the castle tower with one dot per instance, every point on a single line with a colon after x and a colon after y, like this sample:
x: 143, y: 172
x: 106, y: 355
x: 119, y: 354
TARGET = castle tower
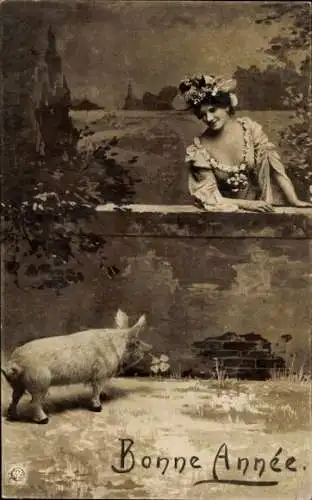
x: 128, y: 104
x: 130, y: 91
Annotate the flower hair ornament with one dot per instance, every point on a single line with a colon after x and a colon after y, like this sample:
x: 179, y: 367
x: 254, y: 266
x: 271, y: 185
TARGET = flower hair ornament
x: 197, y: 88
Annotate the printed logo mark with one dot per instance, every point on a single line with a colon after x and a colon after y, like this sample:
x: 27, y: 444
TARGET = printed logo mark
x: 17, y: 474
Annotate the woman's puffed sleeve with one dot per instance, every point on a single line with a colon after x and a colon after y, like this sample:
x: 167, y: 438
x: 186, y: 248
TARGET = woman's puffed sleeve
x: 201, y: 179
x: 267, y: 160
x: 191, y: 154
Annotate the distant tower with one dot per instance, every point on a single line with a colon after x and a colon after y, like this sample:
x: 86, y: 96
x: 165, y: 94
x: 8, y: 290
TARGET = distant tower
x: 130, y: 91
x: 128, y: 104
x: 131, y: 101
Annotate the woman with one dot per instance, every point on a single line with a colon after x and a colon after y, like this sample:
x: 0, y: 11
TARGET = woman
x: 232, y: 165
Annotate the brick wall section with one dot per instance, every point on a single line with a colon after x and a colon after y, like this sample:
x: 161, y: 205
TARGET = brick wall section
x: 246, y: 356
x: 242, y: 356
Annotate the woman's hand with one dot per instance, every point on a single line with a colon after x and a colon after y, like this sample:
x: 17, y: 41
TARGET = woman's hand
x: 255, y: 205
x: 299, y: 203
x: 252, y: 205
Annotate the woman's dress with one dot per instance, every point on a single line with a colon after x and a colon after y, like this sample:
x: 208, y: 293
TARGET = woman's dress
x: 210, y: 180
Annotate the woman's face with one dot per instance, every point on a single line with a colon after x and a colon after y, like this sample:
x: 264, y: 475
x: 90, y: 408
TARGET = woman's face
x: 214, y: 117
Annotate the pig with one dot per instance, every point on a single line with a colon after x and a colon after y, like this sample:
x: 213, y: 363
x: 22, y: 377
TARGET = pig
x: 90, y: 357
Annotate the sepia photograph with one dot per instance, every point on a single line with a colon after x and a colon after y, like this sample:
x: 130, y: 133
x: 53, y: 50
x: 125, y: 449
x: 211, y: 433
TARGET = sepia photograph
x: 156, y: 224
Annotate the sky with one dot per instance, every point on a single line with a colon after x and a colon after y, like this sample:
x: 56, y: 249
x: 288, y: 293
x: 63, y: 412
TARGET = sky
x: 104, y: 44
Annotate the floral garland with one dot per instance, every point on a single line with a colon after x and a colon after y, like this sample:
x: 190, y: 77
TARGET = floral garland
x: 239, y: 179
x: 195, y: 89
x: 238, y: 175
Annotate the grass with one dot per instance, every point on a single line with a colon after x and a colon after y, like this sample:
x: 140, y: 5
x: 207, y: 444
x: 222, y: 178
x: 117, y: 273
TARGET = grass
x: 292, y: 373
x: 176, y: 372
x: 241, y: 407
x: 277, y: 406
x: 220, y: 373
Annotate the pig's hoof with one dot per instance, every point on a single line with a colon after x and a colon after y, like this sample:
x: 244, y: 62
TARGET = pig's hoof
x: 104, y: 396
x: 96, y: 408
x: 43, y: 421
x: 12, y: 417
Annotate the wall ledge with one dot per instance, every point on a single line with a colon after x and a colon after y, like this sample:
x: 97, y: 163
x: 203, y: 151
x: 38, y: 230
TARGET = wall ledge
x: 188, y: 221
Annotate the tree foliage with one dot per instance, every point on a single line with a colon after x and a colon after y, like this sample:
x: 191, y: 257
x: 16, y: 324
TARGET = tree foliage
x: 294, y: 40
x: 47, y: 205
x: 271, y: 84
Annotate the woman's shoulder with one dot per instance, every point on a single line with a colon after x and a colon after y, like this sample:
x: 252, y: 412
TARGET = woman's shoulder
x: 248, y: 120
x: 195, y: 146
x: 196, y: 143
x: 250, y: 123
x: 196, y: 153
x: 255, y: 130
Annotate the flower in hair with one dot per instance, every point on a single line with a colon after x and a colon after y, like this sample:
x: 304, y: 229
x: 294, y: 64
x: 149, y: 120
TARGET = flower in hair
x: 209, y: 79
x: 197, y: 88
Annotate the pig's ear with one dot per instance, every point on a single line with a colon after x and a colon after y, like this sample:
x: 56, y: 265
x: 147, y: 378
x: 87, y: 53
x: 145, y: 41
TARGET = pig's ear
x: 121, y: 319
x: 135, y: 330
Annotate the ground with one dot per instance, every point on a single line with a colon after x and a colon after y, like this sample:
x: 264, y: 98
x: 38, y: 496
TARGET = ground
x: 72, y: 456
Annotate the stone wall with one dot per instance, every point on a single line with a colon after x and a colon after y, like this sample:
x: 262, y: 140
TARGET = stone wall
x: 197, y: 276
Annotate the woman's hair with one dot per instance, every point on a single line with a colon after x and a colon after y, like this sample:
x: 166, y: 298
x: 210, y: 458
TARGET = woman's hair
x: 220, y: 100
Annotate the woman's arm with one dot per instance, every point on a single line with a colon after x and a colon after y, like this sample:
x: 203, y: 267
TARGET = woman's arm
x: 288, y: 189
x: 268, y: 161
x: 204, y: 188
